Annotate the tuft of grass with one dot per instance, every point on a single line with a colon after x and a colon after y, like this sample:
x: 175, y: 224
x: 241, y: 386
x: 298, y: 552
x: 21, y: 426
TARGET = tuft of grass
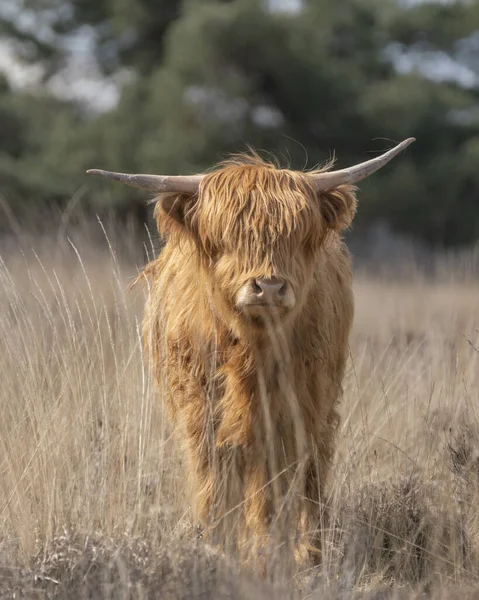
x: 92, y: 493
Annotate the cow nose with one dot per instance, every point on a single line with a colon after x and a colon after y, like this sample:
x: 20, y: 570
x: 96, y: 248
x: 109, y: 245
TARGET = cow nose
x: 269, y: 290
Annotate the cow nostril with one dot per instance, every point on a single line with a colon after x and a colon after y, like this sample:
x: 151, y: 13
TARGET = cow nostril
x: 257, y: 288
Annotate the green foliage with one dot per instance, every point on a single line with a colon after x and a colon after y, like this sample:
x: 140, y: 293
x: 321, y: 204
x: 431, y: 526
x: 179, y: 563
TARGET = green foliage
x: 211, y: 77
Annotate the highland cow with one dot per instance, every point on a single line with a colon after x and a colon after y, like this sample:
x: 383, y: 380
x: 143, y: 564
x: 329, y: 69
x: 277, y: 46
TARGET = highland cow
x: 247, y: 323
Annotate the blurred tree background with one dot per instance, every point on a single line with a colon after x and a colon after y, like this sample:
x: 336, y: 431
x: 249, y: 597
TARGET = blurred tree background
x: 172, y: 86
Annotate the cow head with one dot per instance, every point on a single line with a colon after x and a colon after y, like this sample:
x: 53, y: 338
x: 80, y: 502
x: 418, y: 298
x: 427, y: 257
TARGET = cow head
x: 257, y: 229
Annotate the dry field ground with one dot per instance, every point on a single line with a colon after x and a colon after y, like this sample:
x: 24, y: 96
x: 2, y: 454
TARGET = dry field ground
x: 92, y: 499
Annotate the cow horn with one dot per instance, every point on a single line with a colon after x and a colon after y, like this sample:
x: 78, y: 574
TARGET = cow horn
x: 328, y: 180
x: 187, y: 184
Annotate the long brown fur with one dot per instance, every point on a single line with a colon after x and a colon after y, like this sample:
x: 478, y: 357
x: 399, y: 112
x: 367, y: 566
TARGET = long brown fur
x: 255, y: 407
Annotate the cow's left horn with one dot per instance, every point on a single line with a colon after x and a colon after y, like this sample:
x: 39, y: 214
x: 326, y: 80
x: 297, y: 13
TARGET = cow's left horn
x: 328, y: 180
x: 187, y: 184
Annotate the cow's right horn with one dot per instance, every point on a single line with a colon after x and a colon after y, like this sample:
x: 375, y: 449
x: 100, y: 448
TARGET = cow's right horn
x: 187, y: 184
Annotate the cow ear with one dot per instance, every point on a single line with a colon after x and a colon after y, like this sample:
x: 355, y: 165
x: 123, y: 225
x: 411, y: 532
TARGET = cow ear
x: 173, y: 212
x: 176, y: 206
x: 338, y: 206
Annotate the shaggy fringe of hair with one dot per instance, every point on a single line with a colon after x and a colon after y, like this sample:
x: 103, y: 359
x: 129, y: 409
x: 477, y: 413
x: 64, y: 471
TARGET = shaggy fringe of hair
x: 233, y: 206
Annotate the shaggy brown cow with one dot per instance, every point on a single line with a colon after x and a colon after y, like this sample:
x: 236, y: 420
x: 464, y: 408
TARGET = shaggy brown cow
x: 247, y: 326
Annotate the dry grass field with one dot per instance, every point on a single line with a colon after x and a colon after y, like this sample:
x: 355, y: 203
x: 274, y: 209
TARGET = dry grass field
x: 92, y: 498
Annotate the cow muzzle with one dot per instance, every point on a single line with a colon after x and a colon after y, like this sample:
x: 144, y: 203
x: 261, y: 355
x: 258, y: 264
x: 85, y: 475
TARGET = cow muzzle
x: 260, y: 296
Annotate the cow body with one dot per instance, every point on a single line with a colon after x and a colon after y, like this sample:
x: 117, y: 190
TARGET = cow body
x: 253, y: 397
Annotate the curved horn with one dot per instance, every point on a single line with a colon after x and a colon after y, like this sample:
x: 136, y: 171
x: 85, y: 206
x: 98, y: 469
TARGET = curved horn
x: 187, y: 184
x: 325, y: 181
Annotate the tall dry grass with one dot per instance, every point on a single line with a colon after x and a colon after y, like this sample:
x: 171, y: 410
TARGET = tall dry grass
x: 92, y: 493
